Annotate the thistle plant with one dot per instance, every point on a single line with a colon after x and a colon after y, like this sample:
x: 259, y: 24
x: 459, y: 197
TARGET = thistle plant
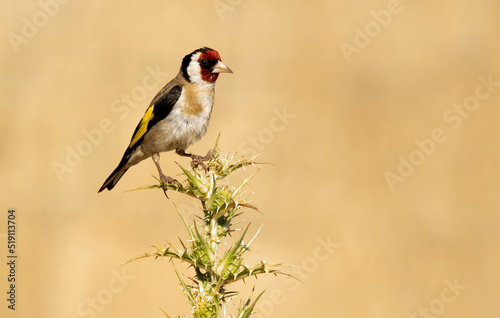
x: 208, y: 250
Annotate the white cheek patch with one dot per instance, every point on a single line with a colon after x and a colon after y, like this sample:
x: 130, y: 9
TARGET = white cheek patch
x: 194, y: 71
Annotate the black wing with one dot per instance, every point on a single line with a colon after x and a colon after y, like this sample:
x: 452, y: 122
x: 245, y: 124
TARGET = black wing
x: 155, y: 113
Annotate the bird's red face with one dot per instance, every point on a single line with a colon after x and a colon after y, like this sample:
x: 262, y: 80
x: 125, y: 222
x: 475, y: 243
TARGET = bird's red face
x: 203, y: 66
x: 211, y: 65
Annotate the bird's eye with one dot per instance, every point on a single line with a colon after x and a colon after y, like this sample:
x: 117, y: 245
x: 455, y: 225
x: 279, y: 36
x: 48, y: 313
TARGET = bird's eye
x: 204, y: 62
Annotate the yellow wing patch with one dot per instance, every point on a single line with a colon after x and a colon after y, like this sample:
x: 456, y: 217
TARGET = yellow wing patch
x: 143, y: 126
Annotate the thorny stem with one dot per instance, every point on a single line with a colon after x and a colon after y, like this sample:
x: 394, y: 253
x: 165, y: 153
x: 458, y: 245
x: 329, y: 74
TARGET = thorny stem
x: 214, y: 238
x: 214, y: 268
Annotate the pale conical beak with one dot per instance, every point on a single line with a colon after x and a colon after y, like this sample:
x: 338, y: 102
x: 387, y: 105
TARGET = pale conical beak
x: 221, y: 68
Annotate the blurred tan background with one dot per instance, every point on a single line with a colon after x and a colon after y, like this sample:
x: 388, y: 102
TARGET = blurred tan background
x: 334, y: 92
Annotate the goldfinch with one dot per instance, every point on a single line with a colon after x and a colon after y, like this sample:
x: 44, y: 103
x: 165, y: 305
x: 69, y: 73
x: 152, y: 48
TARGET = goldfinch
x: 177, y: 117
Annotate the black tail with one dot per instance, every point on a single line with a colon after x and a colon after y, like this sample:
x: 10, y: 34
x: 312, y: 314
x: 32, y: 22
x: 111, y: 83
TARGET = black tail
x: 113, y: 179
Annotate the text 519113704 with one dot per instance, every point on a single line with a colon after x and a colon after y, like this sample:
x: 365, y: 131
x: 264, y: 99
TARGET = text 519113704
x: 11, y: 258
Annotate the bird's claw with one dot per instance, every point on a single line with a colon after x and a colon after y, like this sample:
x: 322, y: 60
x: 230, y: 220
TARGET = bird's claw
x: 169, y: 180
x: 198, y: 160
x: 165, y: 180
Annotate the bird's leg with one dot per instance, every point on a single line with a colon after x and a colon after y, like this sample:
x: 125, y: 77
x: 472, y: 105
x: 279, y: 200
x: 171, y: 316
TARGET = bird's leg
x: 196, y: 160
x: 165, y: 179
